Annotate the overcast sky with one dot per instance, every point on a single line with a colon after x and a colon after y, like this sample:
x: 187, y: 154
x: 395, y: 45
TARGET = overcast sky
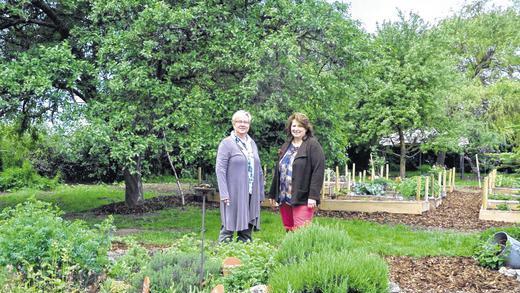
x: 370, y: 12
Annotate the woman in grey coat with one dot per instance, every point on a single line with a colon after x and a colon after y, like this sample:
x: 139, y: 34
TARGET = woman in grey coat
x: 240, y: 181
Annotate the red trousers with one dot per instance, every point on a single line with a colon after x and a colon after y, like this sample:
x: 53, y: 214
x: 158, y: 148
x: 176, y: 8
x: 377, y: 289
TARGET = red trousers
x: 294, y: 217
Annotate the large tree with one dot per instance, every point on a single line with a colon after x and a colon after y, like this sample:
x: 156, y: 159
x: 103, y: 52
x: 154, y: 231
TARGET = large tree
x: 409, y: 78
x: 159, y: 75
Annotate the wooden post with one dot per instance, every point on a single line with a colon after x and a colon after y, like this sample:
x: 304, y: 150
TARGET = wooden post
x: 485, y: 194
x: 444, y: 182
x: 346, y: 171
x: 432, y: 179
x: 439, y: 181
x: 337, y: 179
x: 478, y: 172
x: 452, y: 186
x: 418, y: 191
x: 372, y: 170
x: 200, y: 175
x: 353, y: 172
x: 364, y: 175
x: 328, y: 184
x: 381, y: 171
x: 426, y: 186
x: 360, y: 176
x: 387, y: 173
x: 449, y: 180
x: 348, y: 184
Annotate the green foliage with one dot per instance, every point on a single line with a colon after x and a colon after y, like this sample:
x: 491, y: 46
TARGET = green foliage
x: 335, y: 271
x: 512, y: 181
x: 126, y: 266
x: 48, y: 251
x: 408, y: 187
x: 487, y: 253
x: 171, y: 270
x: 498, y: 196
x: 424, y: 169
x: 323, y: 259
x: 503, y: 207
x: 370, y: 188
x: 15, y: 178
x: 257, y: 263
x: 297, y: 246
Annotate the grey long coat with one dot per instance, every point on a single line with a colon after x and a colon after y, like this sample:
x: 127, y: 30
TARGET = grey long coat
x: 231, y: 170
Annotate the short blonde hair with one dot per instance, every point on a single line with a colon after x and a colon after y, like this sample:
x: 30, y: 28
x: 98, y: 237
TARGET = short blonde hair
x: 241, y: 113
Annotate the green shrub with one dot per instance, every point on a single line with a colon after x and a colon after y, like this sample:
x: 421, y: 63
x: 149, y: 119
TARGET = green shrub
x: 15, y: 178
x: 48, y: 251
x: 408, y: 187
x: 173, y: 270
x: 257, y: 262
x: 323, y: 259
x: 131, y: 263
x: 487, y: 253
x: 503, y: 180
x: 333, y: 271
x: 424, y: 169
x: 298, y: 245
x: 369, y: 188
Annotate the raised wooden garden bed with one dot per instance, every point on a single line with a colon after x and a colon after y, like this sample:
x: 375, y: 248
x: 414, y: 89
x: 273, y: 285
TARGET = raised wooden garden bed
x: 499, y: 216
x: 498, y: 210
x: 371, y: 206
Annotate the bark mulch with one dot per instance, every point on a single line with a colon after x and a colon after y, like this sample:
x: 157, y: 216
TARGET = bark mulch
x: 447, y: 274
x: 150, y: 205
x: 458, y: 211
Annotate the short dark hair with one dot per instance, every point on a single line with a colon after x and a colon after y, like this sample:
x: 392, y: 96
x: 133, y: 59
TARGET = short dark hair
x: 303, y: 120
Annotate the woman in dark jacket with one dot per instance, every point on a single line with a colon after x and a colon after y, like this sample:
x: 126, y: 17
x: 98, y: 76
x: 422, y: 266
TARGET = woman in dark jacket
x: 298, y: 175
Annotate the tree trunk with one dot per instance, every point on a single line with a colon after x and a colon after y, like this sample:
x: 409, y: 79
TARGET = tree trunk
x: 402, y: 159
x: 134, y: 187
x: 441, y: 157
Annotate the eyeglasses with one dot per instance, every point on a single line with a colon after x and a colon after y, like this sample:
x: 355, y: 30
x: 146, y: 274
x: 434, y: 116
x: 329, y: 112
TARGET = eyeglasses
x: 241, y: 122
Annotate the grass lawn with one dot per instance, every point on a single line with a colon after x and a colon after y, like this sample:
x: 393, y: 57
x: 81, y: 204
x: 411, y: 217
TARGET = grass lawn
x: 71, y: 198
x: 163, y: 227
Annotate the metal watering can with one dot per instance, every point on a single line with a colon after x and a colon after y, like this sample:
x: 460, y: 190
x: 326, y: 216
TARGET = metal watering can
x: 510, y: 248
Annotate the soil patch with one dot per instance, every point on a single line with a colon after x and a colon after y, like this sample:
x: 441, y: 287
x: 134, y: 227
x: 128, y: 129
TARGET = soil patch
x: 459, y: 211
x: 447, y: 274
x: 149, y: 205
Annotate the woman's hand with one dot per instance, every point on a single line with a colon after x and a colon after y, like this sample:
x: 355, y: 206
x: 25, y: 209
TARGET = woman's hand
x: 311, y: 203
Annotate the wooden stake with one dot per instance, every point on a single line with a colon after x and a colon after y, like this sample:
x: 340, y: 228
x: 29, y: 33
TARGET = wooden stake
x: 418, y: 191
x: 346, y: 172
x: 485, y: 194
x: 426, y: 186
x: 452, y: 186
x: 337, y: 179
x: 354, y: 173
x: 439, y: 181
x: 348, y: 184
x: 364, y: 175
x: 444, y: 182
x: 328, y: 183
x: 200, y: 175
x: 381, y: 171
x: 449, y: 180
x: 372, y: 170
x: 478, y: 172
x: 360, y: 177
x: 387, y: 173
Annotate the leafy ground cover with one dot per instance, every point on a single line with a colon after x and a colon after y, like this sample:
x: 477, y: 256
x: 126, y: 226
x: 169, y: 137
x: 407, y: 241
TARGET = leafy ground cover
x: 424, y: 240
